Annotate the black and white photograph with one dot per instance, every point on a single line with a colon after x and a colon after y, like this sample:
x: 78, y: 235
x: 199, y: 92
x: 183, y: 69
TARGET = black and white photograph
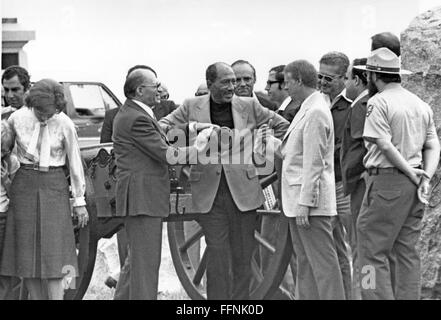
x: 229, y: 151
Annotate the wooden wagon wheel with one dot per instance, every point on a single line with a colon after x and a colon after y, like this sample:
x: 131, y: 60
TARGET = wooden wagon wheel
x: 98, y: 227
x: 191, y: 271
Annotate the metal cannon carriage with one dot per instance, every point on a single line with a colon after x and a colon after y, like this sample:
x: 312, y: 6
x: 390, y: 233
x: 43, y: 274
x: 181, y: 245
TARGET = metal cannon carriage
x: 190, y: 266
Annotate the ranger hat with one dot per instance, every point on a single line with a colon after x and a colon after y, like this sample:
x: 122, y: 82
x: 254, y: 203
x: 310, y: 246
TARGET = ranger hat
x: 383, y: 60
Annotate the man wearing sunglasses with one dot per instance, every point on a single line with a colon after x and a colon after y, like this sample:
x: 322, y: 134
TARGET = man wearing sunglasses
x: 245, y: 80
x: 331, y: 82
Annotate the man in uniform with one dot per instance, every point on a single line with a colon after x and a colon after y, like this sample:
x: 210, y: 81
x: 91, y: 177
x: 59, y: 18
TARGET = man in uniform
x: 402, y: 156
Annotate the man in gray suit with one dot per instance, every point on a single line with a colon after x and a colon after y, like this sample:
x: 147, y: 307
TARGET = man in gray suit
x: 142, y: 155
x: 228, y: 193
x: 308, y: 185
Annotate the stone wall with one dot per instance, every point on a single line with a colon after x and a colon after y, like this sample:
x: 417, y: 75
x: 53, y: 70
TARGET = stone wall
x: 421, y: 54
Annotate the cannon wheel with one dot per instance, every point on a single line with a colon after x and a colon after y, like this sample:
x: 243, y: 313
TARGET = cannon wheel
x: 87, y: 242
x: 97, y: 228
x: 265, y: 283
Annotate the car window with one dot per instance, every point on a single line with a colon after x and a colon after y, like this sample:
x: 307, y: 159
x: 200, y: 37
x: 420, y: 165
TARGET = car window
x: 91, y: 99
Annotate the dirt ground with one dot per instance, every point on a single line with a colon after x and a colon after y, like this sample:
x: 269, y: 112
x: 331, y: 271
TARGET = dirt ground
x: 169, y: 286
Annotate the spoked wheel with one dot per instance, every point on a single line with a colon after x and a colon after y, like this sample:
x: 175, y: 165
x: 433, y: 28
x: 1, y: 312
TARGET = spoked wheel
x: 102, y: 223
x: 87, y: 242
x: 266, y: 280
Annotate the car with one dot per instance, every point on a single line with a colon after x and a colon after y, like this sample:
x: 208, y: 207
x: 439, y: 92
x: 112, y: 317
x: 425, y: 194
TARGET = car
x: 87, y: 103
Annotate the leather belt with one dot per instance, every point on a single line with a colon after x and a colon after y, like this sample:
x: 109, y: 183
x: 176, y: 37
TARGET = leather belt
x: 392, y: 170
x: 35, y: 166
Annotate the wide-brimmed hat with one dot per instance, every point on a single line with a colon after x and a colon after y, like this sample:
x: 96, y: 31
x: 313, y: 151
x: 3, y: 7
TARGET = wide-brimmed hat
x: 383, y: 60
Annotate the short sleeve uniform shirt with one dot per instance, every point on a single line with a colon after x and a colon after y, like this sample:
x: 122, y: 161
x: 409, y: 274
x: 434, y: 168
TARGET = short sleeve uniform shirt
x: 401, y: 117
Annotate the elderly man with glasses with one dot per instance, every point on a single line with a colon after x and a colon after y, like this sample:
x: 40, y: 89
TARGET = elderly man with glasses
x: 142, y: 156
x: 331, y: 81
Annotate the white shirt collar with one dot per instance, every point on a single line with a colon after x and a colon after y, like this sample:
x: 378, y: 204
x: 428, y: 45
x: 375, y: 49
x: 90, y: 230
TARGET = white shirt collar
x: 360, y: 96
x: 342, y: 94
x: 285, y: 103
x: 145, y: 107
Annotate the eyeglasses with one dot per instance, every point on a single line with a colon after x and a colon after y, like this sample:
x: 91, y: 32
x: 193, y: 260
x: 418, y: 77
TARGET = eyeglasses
x: 270, y: 83
x: 157, y: 85
x: 327, y: 77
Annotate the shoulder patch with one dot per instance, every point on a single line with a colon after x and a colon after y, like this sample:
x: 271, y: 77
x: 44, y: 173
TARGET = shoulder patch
x: 369, y: 109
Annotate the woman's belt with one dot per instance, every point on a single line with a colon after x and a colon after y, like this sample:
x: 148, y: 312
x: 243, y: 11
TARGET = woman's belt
x: 35, y: 166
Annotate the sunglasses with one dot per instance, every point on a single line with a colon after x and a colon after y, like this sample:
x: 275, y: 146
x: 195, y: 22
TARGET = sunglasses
x: 270, y: 83
x: 327, y: 78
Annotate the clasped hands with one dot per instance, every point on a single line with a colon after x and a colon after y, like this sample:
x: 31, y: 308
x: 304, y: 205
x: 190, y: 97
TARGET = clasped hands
x: 265, y: 143
x: 205, y: 132
x: 422, y: 180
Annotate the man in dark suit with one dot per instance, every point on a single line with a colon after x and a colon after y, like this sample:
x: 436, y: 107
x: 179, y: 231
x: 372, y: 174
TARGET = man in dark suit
x: 229, y: 193
x: 352, y: 153
x: 107, y: 128
x: 143, y: 187
x: 332, y: 71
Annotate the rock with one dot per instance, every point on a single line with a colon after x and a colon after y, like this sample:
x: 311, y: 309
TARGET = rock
x: 421, y: 54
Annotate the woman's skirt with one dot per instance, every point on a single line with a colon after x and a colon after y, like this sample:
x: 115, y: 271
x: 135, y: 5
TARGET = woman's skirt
x: 39, y: 240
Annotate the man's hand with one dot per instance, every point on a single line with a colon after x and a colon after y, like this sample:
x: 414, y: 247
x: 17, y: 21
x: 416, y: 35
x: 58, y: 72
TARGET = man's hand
x: 424, y: 191
x: 417, y: 174
x: 302, y: 217
x: 265, y: 142
x: 203, y: 138
x: 196, y: 127
x: 82, y: 214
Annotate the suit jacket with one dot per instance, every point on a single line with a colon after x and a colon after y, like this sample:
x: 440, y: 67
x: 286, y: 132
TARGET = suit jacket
x: 290, y: 111
x: 308, y: 167
x: 340, y: 111
x: 164, y: 108
x: 265, y: 101
x: 242, y: 179
x: 107, y: 128
x: 352, y: 149
x: 140, y: 146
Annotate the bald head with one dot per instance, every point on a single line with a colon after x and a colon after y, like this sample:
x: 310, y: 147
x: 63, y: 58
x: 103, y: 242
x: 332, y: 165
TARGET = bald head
x: 212, y: 70
x: 220, y: 81
x: 142, y: 85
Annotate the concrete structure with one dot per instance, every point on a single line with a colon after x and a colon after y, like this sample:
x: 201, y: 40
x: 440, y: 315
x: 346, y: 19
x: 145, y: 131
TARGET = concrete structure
x: 14, y: 38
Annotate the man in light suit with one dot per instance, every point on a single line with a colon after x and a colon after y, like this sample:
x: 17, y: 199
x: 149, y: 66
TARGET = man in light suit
x: 308, y: 185
x: 228, y: 194
x: 143, y: 188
